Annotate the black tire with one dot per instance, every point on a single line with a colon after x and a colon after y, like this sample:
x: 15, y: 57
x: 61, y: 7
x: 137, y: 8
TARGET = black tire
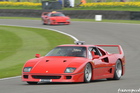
x: 87, y: 73
x: 44, y: 24
x: 117, y: 72
x: 32, y: 83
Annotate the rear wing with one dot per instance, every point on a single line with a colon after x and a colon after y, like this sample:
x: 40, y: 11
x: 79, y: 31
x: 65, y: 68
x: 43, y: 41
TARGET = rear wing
x: 118, y: 46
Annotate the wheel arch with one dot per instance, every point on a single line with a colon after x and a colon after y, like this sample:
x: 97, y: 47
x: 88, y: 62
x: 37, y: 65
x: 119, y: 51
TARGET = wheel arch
x: 92, y: 66
x: 122, y: 65
x: 85, y: 80
x: 91, y: 63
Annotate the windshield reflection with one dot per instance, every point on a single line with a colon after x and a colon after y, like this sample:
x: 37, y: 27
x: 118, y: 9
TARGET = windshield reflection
x: 57, y: 14
x: 68, y: 51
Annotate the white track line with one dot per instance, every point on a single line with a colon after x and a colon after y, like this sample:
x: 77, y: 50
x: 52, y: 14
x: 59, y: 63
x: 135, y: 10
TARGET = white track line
x: 46, y: 28
x: 10, y: 78
x: 40, y: 28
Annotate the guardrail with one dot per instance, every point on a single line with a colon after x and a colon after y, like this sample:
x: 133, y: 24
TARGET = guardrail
x: 81, y: 14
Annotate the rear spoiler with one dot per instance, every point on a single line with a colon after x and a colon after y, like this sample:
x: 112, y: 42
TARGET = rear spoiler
x: 119, y: 47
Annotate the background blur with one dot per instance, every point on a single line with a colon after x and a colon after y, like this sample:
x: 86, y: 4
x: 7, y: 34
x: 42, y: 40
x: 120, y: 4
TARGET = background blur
x: 88, y: 1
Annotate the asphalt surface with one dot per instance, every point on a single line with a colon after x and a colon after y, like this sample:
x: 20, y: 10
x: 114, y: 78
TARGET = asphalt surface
x: 126, y: 35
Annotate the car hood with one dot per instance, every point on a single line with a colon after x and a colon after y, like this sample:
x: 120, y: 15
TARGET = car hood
x: 56, y: 65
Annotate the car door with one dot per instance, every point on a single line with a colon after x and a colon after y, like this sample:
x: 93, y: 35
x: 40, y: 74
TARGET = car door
x: 108, y: 66
x: 101, y: 63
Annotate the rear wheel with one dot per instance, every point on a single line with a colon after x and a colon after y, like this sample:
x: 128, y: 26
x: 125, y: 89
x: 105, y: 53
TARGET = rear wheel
x: 32, y: 83
x: 87, y: 73
x: 118, y: 71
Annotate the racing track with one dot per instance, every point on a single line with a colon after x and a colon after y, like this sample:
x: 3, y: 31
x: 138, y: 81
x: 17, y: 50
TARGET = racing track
x: 127, y: 35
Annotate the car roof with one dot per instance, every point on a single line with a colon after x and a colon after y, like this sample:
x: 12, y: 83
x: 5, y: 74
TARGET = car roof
x: 52, y: 12
x: 78, y: 45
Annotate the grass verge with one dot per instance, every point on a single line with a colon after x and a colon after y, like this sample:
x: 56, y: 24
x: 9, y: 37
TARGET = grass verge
x: 105, y: 8
x: 18, y: 44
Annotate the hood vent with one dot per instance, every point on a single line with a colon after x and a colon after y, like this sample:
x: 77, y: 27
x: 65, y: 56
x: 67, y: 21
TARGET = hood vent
x: 47, y: 60
x: 65, y: 61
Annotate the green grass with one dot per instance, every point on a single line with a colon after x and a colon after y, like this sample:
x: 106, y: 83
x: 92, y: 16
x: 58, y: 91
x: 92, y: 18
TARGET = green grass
x: 105, y: 8
x: 18, y: 44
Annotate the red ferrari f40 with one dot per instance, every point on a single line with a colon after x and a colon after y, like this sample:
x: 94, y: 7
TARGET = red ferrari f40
x: 75, y: 63
x: 55, y: 18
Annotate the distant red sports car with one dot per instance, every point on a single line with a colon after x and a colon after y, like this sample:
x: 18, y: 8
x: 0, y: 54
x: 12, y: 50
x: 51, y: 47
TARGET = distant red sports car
x: 55, y: 18
x: 75, y: 63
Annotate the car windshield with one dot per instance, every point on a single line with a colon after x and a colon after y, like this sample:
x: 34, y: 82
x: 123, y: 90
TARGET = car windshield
x: 57, y: 14
x: 68, y: 51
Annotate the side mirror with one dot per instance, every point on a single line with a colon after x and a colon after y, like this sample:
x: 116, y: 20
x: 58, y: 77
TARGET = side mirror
x: 95, y: 57
x: 37, y: 55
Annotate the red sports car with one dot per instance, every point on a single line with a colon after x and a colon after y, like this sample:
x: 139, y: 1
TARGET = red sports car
x: 75, y: 63
x: 55, y: 18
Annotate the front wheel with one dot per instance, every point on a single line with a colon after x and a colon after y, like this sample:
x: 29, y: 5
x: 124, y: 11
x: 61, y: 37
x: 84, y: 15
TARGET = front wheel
x: 43, y: 22
x: 87, y: 73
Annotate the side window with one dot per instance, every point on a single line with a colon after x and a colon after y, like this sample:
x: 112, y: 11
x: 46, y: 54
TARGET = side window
x: 102, y: 52
x: 89, y: 54
x: 97, y: 51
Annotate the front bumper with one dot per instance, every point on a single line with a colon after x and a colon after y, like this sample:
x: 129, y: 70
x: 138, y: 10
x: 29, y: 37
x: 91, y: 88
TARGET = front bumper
x: 60, y: 23
x: 79, y: 77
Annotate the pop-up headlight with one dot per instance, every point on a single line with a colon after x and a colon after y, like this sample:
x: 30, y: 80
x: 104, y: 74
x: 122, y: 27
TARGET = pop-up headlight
x: 27, y: 69
x: 70, y: 70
